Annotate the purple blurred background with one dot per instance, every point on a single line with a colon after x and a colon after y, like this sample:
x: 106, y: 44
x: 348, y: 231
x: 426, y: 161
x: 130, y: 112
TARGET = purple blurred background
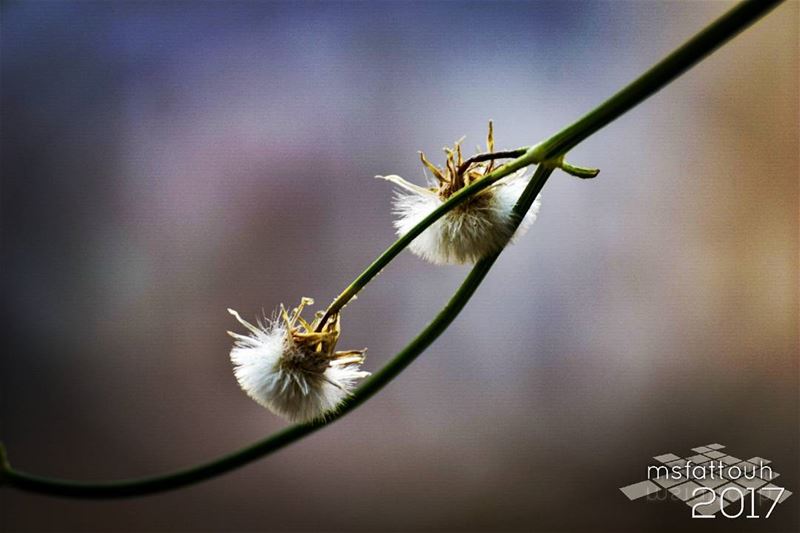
x: 162, y: 161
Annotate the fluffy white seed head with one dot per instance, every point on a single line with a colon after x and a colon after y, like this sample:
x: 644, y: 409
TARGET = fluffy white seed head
x: 292, y: 370
x: 474, y: 229
x: 479, y: 227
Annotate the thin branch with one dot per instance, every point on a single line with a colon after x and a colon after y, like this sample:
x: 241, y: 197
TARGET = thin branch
x: 659, y: 76
x: 491, y: 156
x: 401, y: 243
x: 380, y: 379
x: 546, y: 153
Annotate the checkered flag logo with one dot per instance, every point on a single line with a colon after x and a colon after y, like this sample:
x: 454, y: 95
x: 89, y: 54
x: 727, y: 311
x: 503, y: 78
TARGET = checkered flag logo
x: 710, y: 481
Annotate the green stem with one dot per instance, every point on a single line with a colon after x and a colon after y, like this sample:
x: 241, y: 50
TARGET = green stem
x: 277, y: 441
x: 659, y: 76
x: 400, y: 244
x: 491, y: 156
x: 548, y: 152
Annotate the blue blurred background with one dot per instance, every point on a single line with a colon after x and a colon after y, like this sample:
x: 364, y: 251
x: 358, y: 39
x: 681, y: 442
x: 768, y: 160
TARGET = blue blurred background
x: 162, y: 161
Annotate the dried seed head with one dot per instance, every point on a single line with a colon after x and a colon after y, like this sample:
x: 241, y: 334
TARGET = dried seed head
x: 293, y: 370
x: 477, y: 227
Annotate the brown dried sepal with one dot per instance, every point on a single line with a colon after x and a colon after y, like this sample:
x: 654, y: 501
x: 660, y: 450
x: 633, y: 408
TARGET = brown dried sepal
x: 458, y: 173
x: 315, y: 350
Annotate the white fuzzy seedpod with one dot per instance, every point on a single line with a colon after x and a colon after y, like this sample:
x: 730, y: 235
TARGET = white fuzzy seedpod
x: 472, y: 230
x: 478, y: 227
x: 293, y: 370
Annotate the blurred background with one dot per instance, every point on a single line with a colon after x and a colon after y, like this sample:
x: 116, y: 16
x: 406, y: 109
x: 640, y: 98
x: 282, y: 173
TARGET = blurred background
x: 162, y: 161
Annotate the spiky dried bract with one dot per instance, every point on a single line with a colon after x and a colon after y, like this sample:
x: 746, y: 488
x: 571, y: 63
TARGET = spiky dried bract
x: 479, y: 226
x: 293, y: 370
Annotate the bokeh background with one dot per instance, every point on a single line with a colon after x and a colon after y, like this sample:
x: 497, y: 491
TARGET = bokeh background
x: 162, y: 161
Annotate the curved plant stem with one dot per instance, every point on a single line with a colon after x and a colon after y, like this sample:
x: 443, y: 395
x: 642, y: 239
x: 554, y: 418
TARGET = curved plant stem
x: 401, y: 243
x: 548, y: 153
x: 282, y: 438
x: 491, y: 156
x: 659, y: 76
